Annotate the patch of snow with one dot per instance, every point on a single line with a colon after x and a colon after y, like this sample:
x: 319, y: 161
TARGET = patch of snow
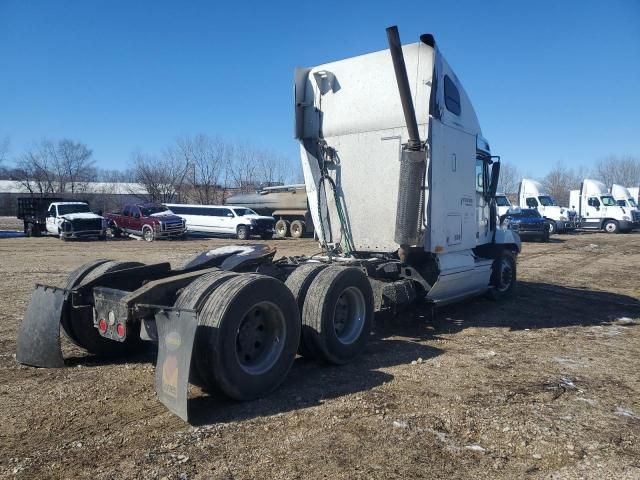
x: 474, y: 448
x: 237, y: 249
x: 400, y: 424
x: 625, y: 412
x: 162, y: 214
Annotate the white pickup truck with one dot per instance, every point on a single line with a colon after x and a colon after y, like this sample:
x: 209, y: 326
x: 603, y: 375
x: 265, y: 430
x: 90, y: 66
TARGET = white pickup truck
x: 54, y: 216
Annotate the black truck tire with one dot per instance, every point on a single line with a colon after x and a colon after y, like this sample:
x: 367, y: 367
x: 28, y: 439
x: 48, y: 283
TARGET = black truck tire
x: 79, y: 322
x: 299, y: 282
x: 252, y: 333
x: 338, y: 313
x: 193, y: 297
x: 298, y: 229
x: 242, y: 233
x: 503, y: 276
x: 611, y: 226
x: 282, y: 228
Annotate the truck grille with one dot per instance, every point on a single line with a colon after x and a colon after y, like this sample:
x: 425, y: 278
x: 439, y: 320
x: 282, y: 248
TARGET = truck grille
x: 84, y: 224
x: 532, y: 227
x: 172, y: 226
x: 635, y: 215
x: 264, y: 223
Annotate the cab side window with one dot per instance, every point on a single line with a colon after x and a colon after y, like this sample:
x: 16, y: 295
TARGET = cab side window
x: 532, y: 202
x: 593, y: 202
x: 479, y: 176
x: 127, y: 211
x: 52, y: 211
x: 451, y: 96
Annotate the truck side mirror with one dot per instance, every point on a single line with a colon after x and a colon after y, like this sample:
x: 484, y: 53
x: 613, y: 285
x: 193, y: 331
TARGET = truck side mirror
x: 495, y: 176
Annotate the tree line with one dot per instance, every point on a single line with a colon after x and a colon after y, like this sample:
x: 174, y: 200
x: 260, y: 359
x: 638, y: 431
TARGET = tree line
x: 623, y: 170
x: 204, y: 169
x: 197, y: 169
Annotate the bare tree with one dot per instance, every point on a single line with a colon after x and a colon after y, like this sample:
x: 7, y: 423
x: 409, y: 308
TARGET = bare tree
x: 50, y: 167
x: 621, y: 170
x: 35, y: 171
x: 73, y: 164
x: 163, y: 176
x: 560, y: 180
x: 4, y: 149
x: 208, y: 161
x: 509, y: 179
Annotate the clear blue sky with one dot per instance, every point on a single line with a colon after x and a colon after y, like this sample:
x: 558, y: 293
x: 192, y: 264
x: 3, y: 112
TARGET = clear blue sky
x: 551, y: 81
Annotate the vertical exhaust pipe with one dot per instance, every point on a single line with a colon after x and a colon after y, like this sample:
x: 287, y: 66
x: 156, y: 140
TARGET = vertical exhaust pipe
x: 403, y: 88
x: 412, y: 161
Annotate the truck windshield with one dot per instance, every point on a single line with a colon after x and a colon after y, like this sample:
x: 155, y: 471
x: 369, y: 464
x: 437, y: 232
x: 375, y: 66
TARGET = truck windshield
x: 632, y: 202
x: 73, y: 208
x: 241, y: 212
x: 148, y: 211
x: 608, y: 201
x: 502, y: 202
x: 546, y: 201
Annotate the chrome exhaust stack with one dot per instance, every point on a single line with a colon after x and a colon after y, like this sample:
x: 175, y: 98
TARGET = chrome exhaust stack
x: 413, y: 158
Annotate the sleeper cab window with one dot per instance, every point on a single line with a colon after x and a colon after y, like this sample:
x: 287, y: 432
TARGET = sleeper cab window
x: 451, y: 96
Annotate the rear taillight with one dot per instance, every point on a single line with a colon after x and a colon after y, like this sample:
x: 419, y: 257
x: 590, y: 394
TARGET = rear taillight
x: 102, y: 325
x: 120, y: 330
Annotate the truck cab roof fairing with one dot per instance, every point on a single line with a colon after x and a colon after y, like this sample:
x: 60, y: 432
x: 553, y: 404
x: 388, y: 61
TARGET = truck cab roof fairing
x: 353, y: 105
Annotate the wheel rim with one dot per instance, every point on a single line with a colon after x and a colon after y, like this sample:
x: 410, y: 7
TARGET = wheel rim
x: 295, y: 229
x: 281, y: 229
x: 148, y: 235
x: 551, y: 228
x: 506, y: 275
x: 610, y: 227
x: 349, y: 315
x: 260, y: 338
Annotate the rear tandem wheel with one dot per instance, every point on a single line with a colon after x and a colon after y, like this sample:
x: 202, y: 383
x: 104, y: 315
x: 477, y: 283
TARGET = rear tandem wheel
x: 77, y: 323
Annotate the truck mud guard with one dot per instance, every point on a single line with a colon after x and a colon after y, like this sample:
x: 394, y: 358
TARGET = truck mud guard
x: 39, y: 335
x: 176, y: 334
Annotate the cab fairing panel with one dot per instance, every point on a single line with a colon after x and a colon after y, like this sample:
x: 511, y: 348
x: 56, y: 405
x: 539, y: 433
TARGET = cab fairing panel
x: 355, y: 107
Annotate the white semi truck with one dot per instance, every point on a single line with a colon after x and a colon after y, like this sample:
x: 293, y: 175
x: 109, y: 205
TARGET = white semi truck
x: 531, y: 194
x: 598, y: 210
x: 624, y: 198
x: 401, y: 187
x: 503, y: 204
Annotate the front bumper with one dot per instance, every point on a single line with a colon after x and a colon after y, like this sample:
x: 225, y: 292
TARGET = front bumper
x: 83, y: 234
x: 628, y: 225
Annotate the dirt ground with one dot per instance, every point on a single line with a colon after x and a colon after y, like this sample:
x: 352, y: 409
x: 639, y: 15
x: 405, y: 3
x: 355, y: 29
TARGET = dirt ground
x: 545, y: 385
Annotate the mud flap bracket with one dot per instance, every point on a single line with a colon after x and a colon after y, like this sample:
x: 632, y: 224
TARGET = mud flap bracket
x: 176, y: 332
x: 39, y: 336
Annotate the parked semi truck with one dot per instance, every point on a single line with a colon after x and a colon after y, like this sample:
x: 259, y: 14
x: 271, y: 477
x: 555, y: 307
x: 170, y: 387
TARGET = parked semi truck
x: 65, y: 219
x: 401, y: 185
x: 503, y: 204
x: 598, y: 210
x: 286, y: 203
x: 624, y: 198
x: 531, y: 194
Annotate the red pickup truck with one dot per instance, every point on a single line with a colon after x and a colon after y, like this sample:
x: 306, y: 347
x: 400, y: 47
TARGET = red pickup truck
x: 148, y: 220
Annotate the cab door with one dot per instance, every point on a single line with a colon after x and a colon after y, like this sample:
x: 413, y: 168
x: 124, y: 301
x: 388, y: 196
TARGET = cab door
x: 52, y: 220
x: 123, y: 222
x: 226, y: 220
x: 135, y: 219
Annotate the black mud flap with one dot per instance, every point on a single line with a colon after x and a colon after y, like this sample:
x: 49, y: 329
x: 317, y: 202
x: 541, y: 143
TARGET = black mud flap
x: 176, y: 332
x: 39, y: 336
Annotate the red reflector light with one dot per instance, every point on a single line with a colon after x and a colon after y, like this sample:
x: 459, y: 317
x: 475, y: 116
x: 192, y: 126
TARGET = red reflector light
x: 102, y: 325
x: 120, y: 330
